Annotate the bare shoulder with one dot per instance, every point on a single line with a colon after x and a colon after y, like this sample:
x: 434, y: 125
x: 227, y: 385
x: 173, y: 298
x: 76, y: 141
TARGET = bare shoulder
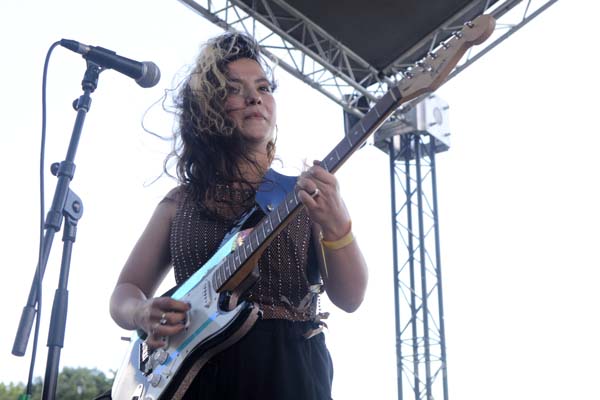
x: 174, y: 195
x: 167, y: 207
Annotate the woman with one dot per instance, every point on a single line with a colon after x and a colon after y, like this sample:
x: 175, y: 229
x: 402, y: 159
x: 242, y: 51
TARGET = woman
x: 225, y: 145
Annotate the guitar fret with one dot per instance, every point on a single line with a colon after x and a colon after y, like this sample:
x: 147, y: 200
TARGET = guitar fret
x: 228, y: 270
x: 280, y: 210
x: 258, y: 233
x: 376, y: 109
x: 234, y: 264
x: 268, y: 225
x: 344, y: 147
x: 293, y: 201
x: 222, y: 275
x: 350, y: 144
x: 362, y: 126
x: 215, y: 282
x: 332, y: 159
x: 286, y: 207
x: 262, y: 226
x: 371, y: 120
x: 257, y: 241
x: 357, y: 130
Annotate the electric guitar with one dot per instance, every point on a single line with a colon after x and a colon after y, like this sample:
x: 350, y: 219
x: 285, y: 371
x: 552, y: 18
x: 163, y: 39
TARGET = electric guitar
x: 218, y: 318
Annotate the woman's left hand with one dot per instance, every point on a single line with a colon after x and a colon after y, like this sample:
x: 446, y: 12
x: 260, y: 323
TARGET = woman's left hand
x: 319, y: 191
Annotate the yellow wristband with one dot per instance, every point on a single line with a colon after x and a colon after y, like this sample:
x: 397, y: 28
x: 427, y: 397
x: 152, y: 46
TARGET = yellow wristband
x: 340, y: 243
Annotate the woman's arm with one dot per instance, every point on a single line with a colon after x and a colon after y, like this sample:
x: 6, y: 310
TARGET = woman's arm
x: 343, y: 267
x: 131, y: 303
x: 344, y: 272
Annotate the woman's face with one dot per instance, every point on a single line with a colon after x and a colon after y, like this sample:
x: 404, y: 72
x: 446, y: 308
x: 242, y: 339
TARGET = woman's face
x: 250, y: 103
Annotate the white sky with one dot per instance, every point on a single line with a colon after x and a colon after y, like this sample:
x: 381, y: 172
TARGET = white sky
x: 518, y: 200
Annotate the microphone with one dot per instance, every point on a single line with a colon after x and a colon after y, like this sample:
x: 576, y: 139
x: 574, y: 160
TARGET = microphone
x: 145, y: 73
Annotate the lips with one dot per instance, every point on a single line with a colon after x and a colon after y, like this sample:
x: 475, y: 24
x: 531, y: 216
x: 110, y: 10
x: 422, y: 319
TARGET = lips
x: 254, y: 115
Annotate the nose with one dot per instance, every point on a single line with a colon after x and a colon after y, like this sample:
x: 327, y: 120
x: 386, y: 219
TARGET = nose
x: 253, y: 97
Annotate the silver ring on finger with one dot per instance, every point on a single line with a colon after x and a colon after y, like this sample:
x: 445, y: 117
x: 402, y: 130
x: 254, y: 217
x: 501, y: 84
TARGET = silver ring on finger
x: 163, y: 319
x: 315, y: 193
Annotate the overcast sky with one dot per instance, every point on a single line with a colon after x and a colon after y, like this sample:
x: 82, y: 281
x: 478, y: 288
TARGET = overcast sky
x: 518, y: 198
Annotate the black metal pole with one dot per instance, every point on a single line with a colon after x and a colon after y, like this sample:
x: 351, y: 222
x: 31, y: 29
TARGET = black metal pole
x: 396, y: 280
x: 438, y: 268
x: 423, y: 265
x: 407, y: 145
x: 58, y: 321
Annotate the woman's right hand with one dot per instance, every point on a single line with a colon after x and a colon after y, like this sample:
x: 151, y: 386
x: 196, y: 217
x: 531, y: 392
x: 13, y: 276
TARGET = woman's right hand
x: 161, y: 317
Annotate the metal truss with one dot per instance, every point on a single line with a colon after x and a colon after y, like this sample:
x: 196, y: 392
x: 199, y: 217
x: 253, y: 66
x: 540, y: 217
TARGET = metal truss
x: 420, y: 337
x: 332, y: 68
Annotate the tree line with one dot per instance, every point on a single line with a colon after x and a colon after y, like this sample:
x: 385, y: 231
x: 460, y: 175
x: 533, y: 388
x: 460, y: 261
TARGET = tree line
x: 73, y: 384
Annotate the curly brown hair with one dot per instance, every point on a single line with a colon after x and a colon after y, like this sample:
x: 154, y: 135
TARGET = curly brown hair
x: 208, y: 148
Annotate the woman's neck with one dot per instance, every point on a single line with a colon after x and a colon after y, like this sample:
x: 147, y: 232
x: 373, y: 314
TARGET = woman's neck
x: 254, y: 167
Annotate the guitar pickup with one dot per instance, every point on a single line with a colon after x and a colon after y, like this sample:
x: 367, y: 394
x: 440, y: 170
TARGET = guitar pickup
x: 206, y: 294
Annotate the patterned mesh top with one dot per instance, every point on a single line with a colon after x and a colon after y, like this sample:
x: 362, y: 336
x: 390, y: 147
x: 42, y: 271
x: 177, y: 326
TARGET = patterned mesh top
x: 282, y: 290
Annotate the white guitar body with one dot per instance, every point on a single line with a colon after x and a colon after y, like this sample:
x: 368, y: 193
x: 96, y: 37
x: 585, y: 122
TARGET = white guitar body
x: 157, y: 374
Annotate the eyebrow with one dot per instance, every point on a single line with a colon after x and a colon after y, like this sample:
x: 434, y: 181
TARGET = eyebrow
x: 259, y: 80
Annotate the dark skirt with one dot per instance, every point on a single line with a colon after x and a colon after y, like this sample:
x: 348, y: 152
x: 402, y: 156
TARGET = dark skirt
x: 273, y: 361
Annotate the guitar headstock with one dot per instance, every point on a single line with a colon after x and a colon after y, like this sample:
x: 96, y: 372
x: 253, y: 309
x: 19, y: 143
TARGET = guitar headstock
x: 429, y: 73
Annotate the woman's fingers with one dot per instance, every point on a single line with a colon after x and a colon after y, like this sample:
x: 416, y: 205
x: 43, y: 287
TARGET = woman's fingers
x: 172, y: 318
x: 318, y: 190
x: 169, y: 312
x: 166, y: 317
x: 165, y: 304
x: 159, y: 330
x: 314, y: 184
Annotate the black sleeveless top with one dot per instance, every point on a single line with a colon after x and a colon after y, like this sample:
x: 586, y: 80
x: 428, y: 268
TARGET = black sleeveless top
x: 283, y: 290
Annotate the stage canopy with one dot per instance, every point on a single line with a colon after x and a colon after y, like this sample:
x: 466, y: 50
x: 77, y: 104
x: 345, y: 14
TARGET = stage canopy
x: 352, y: 50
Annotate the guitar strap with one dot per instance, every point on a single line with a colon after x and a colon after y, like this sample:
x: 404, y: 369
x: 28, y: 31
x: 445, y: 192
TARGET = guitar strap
x: 273, y: 190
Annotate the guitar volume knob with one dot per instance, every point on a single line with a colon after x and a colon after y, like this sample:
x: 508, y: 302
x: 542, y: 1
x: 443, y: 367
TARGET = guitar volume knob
x: 154, y: 379
x: 160, y: 356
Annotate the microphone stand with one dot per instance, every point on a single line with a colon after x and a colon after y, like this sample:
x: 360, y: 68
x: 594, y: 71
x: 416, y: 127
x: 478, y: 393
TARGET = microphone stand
x: 68, y: 205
